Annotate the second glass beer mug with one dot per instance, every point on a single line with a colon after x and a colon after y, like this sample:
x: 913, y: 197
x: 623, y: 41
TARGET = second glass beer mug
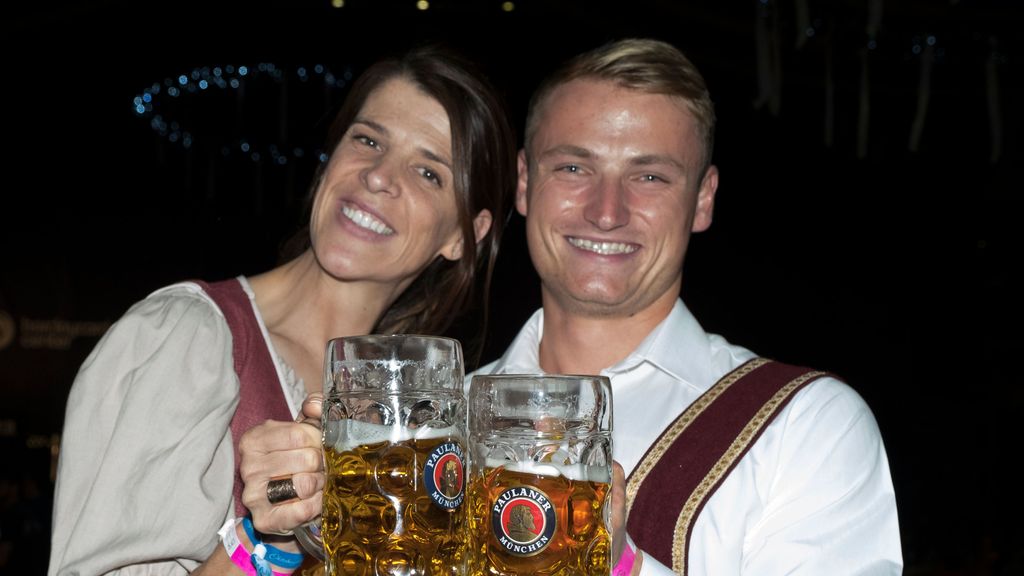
x: 394, y: 435
x: 540, y: 475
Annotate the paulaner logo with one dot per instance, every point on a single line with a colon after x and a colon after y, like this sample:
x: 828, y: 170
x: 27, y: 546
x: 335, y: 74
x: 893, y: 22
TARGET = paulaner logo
x: 523, y: 520
x: 444, y: 475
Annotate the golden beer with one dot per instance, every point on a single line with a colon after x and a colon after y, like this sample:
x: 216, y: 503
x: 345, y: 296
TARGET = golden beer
x: 395, y: 507
x: 536, y: 519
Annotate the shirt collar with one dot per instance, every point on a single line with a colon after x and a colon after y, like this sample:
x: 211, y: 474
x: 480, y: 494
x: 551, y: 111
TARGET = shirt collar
x: 677, y: 346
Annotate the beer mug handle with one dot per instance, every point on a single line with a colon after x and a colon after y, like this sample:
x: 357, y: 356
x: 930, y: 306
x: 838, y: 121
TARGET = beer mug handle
x: 308, y: 534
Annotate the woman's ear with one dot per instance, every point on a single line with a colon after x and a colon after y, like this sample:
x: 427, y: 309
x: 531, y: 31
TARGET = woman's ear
x: 481, y: 226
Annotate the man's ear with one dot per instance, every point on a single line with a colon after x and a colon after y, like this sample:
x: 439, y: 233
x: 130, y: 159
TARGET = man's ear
x: 705, y: 200
x: 524, y: 174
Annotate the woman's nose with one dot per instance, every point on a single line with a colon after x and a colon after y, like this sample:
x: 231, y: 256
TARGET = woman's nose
x: 380, y: 176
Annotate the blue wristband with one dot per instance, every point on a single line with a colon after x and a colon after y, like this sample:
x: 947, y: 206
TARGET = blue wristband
x: 274, y: 555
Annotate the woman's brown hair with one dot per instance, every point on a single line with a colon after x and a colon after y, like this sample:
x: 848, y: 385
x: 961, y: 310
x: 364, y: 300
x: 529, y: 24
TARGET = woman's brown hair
x: 484, y: 156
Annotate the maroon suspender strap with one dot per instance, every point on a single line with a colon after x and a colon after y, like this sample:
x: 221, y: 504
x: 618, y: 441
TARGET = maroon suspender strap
x: 668, y: 488
x: 260, y: 395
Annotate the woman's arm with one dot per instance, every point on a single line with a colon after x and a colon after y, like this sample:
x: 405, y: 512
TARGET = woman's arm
x: 146, y: 466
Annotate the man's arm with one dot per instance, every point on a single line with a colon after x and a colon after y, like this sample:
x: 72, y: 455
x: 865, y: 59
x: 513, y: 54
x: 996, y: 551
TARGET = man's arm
x: 829, y: 506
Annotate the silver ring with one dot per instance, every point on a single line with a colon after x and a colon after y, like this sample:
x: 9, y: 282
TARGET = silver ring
x: 281, y: 490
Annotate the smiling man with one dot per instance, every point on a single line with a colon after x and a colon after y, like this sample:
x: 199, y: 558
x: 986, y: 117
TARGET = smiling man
x: 736, y: 464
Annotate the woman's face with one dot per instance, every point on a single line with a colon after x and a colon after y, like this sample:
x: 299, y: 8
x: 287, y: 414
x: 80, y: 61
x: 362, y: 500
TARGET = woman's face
x: 385, y: 208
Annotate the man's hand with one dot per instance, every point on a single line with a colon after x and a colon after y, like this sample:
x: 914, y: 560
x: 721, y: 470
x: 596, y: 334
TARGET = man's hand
x: 618, y: 512
x: 619, y: 519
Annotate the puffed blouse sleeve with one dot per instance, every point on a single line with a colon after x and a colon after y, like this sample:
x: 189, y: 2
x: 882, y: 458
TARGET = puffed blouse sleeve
x: 146, y: 464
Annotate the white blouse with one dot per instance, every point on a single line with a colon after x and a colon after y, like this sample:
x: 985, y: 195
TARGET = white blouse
x: 146, y: 467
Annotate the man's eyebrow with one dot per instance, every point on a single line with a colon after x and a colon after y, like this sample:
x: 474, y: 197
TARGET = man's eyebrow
x: 652, y: 159
x: 568, y: 150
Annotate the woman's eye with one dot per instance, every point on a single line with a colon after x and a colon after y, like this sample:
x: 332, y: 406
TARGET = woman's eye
x: 366, y: 140
x: 432, y: 176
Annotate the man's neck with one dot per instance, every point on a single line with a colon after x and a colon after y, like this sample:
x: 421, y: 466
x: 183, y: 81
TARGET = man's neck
x: 575, y: 343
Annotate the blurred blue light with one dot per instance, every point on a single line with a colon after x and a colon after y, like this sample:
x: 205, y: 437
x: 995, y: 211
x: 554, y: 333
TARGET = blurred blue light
x: 244, y: 146
x: 203, y: 84
x: 931, y: 40
x: 182, y: 79
x: 243, y: 70
x: 147, y: 97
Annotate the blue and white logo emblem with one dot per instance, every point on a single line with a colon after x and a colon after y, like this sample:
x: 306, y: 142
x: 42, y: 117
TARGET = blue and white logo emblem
x: 444, y: 476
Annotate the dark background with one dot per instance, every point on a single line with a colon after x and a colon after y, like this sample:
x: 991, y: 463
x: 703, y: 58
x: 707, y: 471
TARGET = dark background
x: 839, y: 244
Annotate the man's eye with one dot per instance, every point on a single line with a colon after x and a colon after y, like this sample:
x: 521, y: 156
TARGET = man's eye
x: 652, y: 178
x: 570, y: 168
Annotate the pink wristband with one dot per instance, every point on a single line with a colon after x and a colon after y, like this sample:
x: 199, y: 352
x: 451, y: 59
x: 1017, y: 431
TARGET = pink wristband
x: 243, y: 560
x: 625, y: 565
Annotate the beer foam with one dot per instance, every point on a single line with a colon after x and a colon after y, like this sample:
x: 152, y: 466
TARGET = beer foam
x: 351, y: 433
x: 575, y: 472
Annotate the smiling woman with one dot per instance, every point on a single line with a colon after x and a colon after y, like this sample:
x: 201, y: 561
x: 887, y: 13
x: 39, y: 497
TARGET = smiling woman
x: 421, y: 164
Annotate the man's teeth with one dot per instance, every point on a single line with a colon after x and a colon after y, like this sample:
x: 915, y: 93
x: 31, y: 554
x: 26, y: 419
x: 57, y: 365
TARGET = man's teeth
x: 603, y: 248
x: 364, y: 220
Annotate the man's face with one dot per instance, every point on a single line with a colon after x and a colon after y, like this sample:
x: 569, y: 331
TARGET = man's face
x: 611, y: 192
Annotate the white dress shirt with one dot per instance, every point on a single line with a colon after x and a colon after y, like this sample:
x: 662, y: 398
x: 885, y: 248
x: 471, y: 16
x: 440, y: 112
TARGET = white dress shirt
x: 812, y: 496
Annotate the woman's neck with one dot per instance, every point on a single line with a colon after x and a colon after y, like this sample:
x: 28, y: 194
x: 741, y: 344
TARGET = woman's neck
x: 303, y: 307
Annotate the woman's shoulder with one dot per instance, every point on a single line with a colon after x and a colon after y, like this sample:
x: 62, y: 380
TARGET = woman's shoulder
x: 186, y: 301
x: 181, y: 314
x: 160, y: 336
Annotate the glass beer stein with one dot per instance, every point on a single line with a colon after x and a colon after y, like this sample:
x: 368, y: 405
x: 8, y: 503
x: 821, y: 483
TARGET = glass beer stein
x: 393, y: 437
x: 540, y: 475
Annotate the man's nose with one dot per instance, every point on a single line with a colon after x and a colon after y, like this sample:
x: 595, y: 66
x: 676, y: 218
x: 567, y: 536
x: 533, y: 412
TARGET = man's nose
x: 606, y: 207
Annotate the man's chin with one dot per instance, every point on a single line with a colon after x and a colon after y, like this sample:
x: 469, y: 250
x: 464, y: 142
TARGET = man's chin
x: 596, y: 304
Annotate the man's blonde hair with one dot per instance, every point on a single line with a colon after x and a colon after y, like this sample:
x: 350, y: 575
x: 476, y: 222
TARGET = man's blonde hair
x: 645, y: 65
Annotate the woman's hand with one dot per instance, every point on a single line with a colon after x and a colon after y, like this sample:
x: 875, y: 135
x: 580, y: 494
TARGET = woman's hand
x: 278, y: 451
